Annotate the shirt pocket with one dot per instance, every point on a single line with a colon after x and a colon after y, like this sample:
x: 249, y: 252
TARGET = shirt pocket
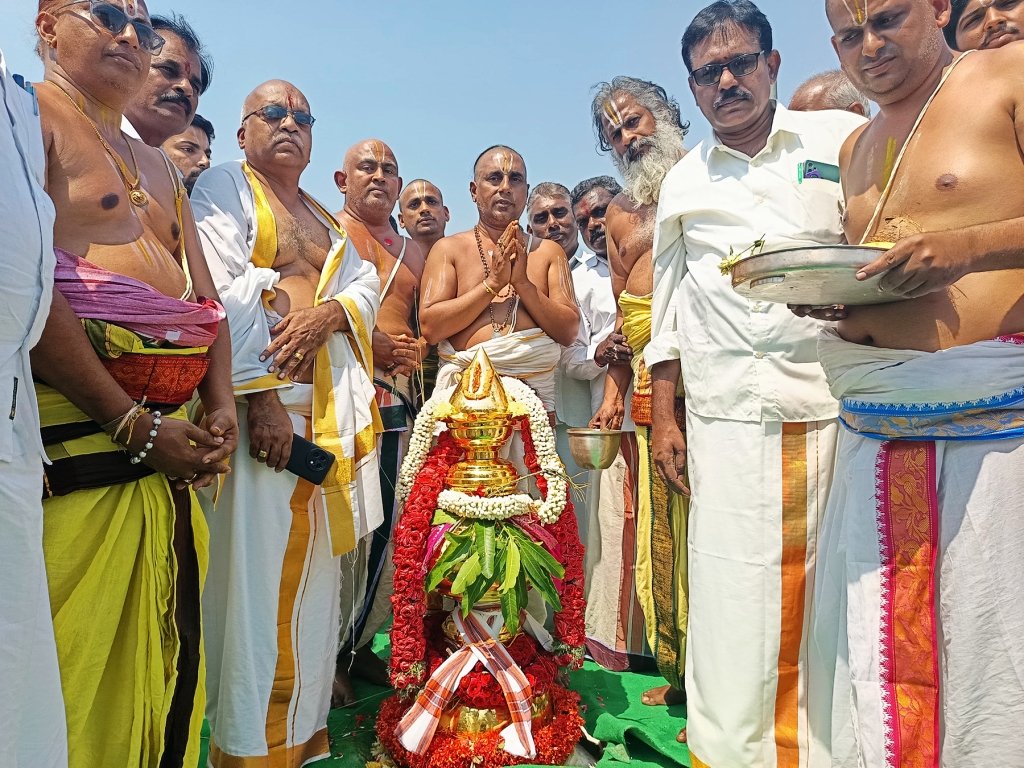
x: 818, y: 213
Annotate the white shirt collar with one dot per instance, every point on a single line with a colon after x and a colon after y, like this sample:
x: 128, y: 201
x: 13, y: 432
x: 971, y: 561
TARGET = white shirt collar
x: 782, y: 121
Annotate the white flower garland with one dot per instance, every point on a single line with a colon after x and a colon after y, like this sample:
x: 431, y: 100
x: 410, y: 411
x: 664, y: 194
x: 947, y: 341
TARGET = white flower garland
x: 482, y: 507
x: 478, y: 507
x: 551, y: 466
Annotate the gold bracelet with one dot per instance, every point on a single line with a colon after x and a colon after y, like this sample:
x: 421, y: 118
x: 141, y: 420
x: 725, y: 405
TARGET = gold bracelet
x: 489, y: 289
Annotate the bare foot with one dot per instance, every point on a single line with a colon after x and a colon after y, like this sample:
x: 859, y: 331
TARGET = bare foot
x: 342, y: 693
x: 681, y: 737
x: 371, y: 667
x: 663, y: 696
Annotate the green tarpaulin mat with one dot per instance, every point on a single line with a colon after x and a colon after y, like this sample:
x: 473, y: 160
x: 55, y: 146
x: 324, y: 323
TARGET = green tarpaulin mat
x: 632, y: 734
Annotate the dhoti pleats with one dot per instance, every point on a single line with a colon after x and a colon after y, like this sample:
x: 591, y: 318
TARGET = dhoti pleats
x: 615, y: 618
x: 33, y: 733
x: 921, y: 570
x: 759, y: 492
x: 272, y: 612
x: 125, y: 565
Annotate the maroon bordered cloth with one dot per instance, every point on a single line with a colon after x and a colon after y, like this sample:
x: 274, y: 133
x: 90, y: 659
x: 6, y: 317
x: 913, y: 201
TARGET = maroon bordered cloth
x: 478, y: 631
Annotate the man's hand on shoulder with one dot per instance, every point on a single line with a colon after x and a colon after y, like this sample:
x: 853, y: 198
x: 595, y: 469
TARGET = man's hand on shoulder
x: 299, y: 336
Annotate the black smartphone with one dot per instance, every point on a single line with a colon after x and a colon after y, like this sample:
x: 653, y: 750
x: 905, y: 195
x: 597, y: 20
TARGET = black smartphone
x: 309, y: 461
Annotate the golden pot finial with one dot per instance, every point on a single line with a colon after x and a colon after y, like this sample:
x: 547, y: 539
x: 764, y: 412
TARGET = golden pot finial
x: 481, y: 422
x: 480, y: 390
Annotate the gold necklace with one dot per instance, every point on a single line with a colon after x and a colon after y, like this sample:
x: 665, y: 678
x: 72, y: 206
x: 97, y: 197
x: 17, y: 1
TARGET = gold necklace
x: 133, y: 185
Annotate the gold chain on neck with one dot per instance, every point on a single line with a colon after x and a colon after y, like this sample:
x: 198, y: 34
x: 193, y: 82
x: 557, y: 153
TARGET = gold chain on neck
x: 495, y: 326
x: 132, y: 182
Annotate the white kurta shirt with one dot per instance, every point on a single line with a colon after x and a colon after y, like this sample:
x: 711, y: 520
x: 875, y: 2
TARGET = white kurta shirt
x: 583, y: 378
x: 745, y: 360
x: 26, y: 235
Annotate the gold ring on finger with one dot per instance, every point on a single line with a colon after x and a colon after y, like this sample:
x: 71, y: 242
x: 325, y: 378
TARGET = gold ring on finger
x: 262, y: 455
x: 299, y: 355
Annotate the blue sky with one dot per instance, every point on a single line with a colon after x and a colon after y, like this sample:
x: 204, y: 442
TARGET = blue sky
x: 441, y: 80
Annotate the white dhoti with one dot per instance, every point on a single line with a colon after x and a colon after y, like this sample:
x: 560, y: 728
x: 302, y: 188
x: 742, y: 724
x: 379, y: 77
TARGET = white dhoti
x: 530, y: 355
x: 614, y: 616
x: 33, y: 733
x: 758, y: 492
x: 282, y: 546
x: 271, y: 602
x: 921, y: 566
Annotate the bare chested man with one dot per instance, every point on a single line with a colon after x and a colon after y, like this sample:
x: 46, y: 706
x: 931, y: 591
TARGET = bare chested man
x: 516, y: 302
x: 130, y: 267
x: 422, y: 213
x: 641, y: 127
x: 924, y: 577
x: 371, y: 184
x: 984, y: 24
x: 303, y: 306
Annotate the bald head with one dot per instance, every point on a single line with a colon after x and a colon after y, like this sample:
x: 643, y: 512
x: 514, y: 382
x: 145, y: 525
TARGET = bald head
x: 499, y: 152
x: 422, y: 212
x: 830, y: 90
x: 278, y: 144
x: 367, y: 149
x: 369, y: 181
x: 279, y: 92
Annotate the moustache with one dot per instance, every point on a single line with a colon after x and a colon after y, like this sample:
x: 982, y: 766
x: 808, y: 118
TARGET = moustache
x: 176, y: 98
x: 733, y: 94
x: 597, y: 234
x: 635, y: 150
x: 1004, y: 30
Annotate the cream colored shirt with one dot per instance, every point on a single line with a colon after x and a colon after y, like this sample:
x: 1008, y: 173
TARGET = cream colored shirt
x: 745, y: 360
x: 26, y: 232
x: 581, y: 380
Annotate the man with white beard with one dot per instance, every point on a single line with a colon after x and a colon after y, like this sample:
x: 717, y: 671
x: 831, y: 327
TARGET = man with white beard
x: 640, y: 126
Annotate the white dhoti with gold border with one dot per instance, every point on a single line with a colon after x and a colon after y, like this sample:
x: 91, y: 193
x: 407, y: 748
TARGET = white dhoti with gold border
x: 759, y: 492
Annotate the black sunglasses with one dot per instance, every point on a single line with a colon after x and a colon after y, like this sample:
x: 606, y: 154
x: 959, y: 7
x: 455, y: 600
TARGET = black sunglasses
x: 711, y: 74
x: 273, y: 113
x: 115, y: 20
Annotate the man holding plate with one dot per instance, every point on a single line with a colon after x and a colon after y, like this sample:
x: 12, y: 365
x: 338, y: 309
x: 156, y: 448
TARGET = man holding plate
x: 924, y: 558
x: 760, y: 427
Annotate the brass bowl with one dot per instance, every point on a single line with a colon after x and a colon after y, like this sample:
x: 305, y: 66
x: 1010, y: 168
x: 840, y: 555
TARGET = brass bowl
x: 594, y: 448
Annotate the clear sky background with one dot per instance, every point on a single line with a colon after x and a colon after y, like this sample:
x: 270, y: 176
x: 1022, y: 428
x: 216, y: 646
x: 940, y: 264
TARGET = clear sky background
x: 441, y: 80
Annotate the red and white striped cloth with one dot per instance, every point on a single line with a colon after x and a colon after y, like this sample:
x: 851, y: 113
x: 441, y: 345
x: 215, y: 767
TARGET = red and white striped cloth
x: 479, y: 636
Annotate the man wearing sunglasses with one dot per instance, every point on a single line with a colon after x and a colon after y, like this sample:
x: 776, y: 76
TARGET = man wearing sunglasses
x: 302, y: 306
x: 984, y: 24
x: 178, y: 75
x: 756, y: 398
x: 123, y: 537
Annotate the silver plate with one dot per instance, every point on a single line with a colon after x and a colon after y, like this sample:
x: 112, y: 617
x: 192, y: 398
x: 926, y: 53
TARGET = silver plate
x: 818, y: 275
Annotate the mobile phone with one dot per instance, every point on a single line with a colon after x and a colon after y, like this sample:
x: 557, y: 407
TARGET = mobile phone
x: 309, y: 461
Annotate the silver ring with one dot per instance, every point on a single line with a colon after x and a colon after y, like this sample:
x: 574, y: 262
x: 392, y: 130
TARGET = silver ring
x: 193, y: 478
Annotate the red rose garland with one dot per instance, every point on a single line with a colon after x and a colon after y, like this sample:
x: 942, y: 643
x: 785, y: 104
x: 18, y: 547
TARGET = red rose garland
x: 555, y: 741
x: 570, y: 622
x: 409, y: 600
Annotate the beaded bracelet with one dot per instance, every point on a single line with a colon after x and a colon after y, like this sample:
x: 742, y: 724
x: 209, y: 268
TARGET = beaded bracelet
x: 137, y: 458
